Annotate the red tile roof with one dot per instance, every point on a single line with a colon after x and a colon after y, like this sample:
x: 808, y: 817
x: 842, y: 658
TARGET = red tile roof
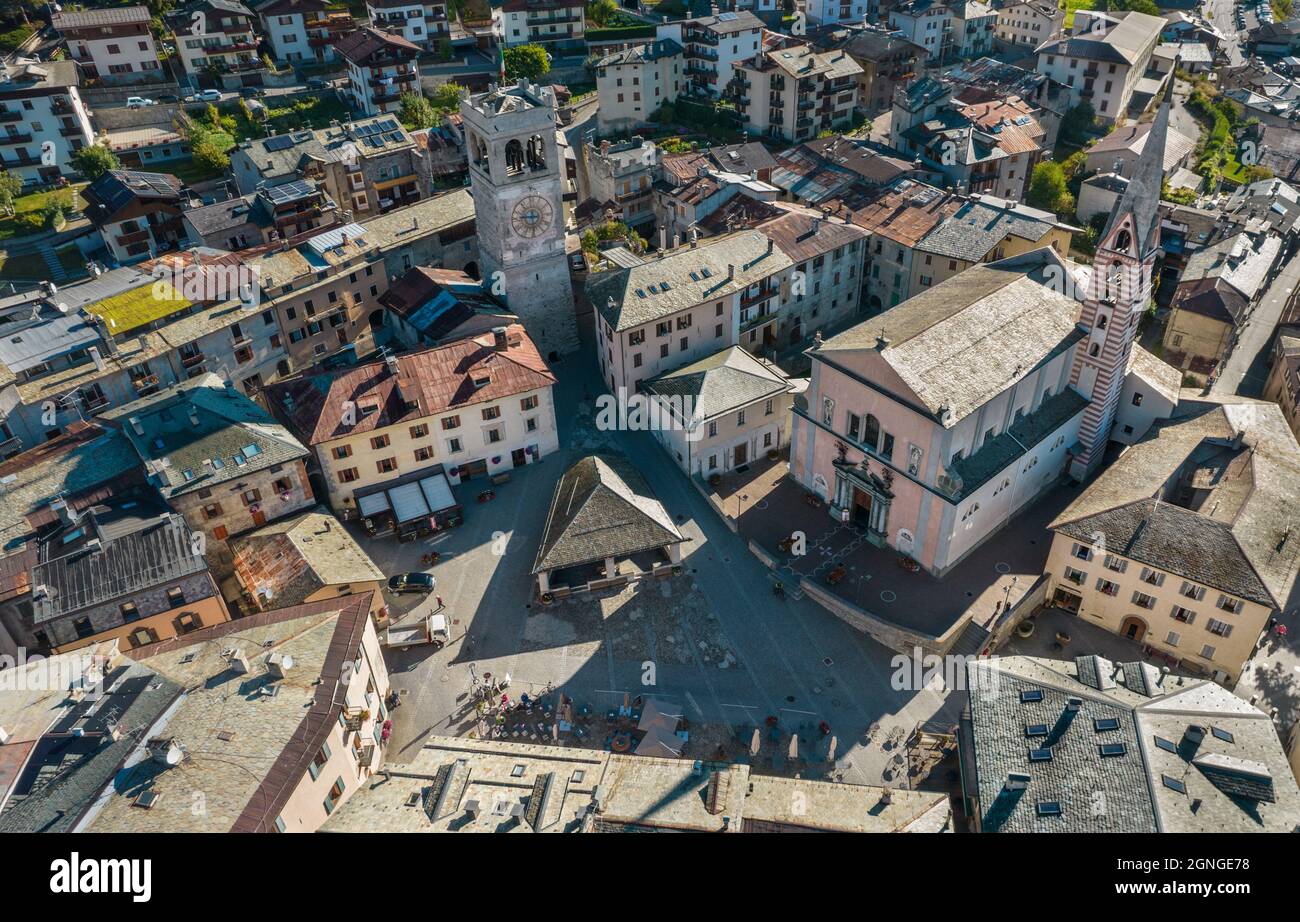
x: 437, y: 379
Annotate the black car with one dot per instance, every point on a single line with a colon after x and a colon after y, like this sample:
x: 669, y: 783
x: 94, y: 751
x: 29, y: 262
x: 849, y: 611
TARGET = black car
x: 411, y: 582
x: 251, y: 92
x: 316, y: 83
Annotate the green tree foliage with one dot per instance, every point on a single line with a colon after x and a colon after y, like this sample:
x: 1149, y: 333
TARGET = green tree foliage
x: 529, y: 61
x: 1076, y: 126
x: 415, y: 112
x: 447, y: 97
x: 1048, y: 190
x: 600, y: 11
x: 94, y: 160
x: 10, y: 187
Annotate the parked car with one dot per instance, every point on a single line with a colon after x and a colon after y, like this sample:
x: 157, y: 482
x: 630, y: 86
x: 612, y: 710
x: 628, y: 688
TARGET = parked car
x: 139, y: 102
x: 317, y: 83
x: 251, y: 92
x: 205, y: 96
x: 577, y: 261
x: 411, y: 582
x: 427, y: 629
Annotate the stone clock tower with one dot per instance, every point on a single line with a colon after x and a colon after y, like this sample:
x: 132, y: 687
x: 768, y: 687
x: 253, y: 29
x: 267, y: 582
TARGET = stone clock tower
x: 517, y: 180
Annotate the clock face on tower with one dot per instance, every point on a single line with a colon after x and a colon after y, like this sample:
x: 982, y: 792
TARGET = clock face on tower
x: 531, y: 216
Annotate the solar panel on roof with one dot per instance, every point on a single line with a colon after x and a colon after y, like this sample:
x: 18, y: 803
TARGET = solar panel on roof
x: 299, y: 188
x: 394, y: 137
x: 389, y: 124
x: 726, y: 17
x: 279, y: 142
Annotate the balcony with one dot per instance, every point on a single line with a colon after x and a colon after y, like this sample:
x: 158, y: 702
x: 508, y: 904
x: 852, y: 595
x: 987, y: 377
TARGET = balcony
x: 140, y: 236
x: 9, y: 115
x: 701, y: 38
x: 26, y: 160
x: 61, y: 106
x: 145, y: 384
x: 10, y: 446
x: 805, y: 103
x: 749, y: 300
x: 189, y: 361
x: 15, y: 139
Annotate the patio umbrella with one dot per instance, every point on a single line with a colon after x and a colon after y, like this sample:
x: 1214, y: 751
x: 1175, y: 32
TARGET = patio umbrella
x: 794, y: 746
x: 830, y: 750
x: 755, y: 742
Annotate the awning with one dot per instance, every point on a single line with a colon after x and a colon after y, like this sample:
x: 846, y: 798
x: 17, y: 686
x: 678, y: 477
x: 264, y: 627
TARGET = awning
x: 373, y: 504
x: 408, y: 502
x: 437, y: 492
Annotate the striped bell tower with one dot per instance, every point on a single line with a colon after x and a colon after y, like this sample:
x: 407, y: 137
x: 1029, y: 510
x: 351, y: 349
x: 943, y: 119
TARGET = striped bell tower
x: 1118, y: 292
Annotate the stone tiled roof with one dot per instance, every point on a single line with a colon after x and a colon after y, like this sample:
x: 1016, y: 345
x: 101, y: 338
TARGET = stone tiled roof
x: 297, y: 556
x: 975, y: 229
x: 1125, y: 791
x: 248, y: 777
x: 1247, y: 524
x: 208, y: 433
x: 602, y: 507
x: 970, y: 337
x: 721, y: 382
x: 694, y: 275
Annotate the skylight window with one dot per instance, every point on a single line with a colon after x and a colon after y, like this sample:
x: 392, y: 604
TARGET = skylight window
x: 1035, y: 729
x: 1031, y: 694
x: 251, y: 451
x: 1173, y: 784
x: 1040, y: 755
x: 1112, y: 749
x: 1102, y: 724
x: 1223, y: 735
x: 1166, y: 745
x: 1049, y: 808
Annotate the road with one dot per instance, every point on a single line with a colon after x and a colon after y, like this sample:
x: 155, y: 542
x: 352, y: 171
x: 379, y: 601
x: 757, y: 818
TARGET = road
x: 1223, y: 14
x: 1246, y: 368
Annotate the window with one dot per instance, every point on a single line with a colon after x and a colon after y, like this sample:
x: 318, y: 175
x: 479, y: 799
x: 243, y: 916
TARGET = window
x: 379, y: 441
x: 142, y: 637
x: 1229, y: 604
x: 1081, y: 552
x: 528, y: 403
x: 492, y: 436
x: 450, y: 422
x: 768, y: 407
x: 1172, y: 638
x: 1106, y: 587
x: 1182, y: 614
x: 348, y: 475
x: 175, y: 596
x: 1137, y: 399
x: 740, y: 418
x: 1219, y: 628
x: 130, y: 612
x: 251, y: 496
x: 1153, y: 577
x: 453, y: 445
x: 490, y: 413
x: 1142, y: 600
x: 212, y: 510
x: 420, y: 431
x: 1115, y: 564
x: 636, y: 337
x: 1078, y: 577
x: 423, y: 454
x: 336, y: 791
x: 386, y: 465
x: 1192, y: 591
x: 342, y: 451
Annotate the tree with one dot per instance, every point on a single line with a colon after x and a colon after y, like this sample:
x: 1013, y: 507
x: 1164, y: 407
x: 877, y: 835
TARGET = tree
x: 1047, y: 189
x: 10, y: 186
x: 530, y: 61
x: 600, y: 11
x: 208, y: 157
x: 447, y: 97
x: 94, y: 161
x: 415, y: 112
x: 1077, y: 124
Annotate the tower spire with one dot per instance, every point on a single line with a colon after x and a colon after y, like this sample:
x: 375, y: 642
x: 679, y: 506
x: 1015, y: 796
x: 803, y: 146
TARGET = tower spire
x: 1141, y: 199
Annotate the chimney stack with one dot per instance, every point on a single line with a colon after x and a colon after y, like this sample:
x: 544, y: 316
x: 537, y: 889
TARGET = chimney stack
x: 500, y: 341
x: 731, y: 271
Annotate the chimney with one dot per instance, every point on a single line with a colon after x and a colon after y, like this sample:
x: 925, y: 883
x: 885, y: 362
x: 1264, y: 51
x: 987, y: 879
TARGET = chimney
x: 194, y: 417
x: 1016, y: 781
x: 1194, y: 735
x: 770, y: 246
x: 136, y: 427
x: 663, y: 239
x: 816, y: 225
x: 65, y: 511
x: 695, y: 236
x: 677, y: 240
x: 731, y: 271
x: 499, y: 339
x: 96, y: 358
x: 604, y: 148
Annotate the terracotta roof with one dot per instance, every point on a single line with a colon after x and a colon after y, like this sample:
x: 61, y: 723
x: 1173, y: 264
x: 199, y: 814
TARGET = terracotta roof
x: 437, y: 379
x: 684, y: 167
x: 1010, y: 120
x: 904, y: 211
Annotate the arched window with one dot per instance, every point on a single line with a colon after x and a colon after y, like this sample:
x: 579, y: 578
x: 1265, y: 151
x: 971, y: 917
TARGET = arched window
x: 1094, y: 349
x: 514, y: 158
x: 1102, y: 320
x: 871, y: 433
x: 536, y: 153
x: 1123, y: 240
